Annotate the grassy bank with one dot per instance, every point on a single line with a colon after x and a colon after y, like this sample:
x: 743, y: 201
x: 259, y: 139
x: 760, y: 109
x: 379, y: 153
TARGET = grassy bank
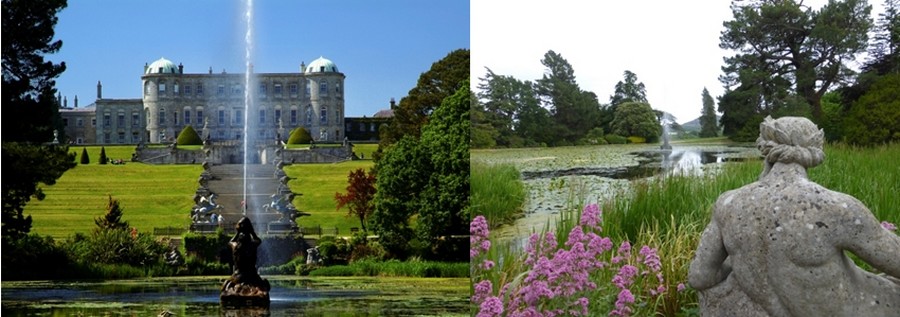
x: 160, y: 195
x: 318, y: 183
x: 496, y: 192
x: 151, y: 195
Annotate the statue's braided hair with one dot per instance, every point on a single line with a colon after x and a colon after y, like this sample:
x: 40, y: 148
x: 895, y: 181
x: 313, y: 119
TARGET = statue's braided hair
x: 790, y: 140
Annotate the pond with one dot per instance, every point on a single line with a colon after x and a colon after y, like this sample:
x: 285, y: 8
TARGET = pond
x: 563, y: 178
x: 199, y: 296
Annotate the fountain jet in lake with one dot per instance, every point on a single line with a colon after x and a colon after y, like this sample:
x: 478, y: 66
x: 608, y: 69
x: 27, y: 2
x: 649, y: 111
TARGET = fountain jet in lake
x: 666, y: 122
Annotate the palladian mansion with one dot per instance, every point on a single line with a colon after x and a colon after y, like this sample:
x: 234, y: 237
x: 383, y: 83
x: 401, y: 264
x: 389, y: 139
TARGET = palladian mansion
x: 312, y: 98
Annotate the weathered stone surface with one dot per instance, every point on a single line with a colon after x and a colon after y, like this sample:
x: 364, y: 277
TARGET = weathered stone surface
x: 776, y: 247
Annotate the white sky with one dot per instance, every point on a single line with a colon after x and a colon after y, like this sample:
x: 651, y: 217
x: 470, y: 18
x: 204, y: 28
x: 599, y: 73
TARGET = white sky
x: 672, y: 46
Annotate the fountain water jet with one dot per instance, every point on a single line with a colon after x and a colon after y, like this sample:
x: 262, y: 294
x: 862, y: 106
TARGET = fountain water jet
x: 666, y: 122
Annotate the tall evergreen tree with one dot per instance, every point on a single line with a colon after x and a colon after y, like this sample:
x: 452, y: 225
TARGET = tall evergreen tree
x: 29, y: 92
x: 575, y: 112
x: 709, y: 126
x: 808, y: 47
x: 28, y: 96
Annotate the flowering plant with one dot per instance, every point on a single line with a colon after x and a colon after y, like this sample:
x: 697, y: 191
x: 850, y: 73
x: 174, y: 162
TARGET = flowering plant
x: 568, y: 279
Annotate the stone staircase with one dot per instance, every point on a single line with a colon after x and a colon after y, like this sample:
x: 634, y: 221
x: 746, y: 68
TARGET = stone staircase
x: 228, y: 185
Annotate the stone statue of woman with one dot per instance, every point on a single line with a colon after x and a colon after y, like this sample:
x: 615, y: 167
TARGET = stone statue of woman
x: 776, y: 247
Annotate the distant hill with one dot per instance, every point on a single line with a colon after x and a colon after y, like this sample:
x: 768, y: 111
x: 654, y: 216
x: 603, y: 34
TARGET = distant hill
x: 694, y: 125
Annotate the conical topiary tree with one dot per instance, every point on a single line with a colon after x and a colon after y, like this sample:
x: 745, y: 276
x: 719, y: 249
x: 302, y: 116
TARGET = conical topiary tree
x: 103, y: 158
x: 85, y: 159
x: 189, y: 136
x: 112, y: 220
x: 299, y: 136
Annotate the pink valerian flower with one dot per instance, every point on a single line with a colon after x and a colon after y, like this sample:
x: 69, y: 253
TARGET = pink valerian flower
x: 487, y: 265
x: 590, y: 216
x: 651, y: 259
x: 483, y: 290
x: 583, y: 302
x: 478, y: 241
x: 680, y: 287
x: 622, y: 309
x: 492, y: 306
x: 625, y: 277
x: 888, y: 226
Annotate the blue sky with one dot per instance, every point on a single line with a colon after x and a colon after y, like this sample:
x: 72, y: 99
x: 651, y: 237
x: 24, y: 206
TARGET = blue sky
x: 381, y: 46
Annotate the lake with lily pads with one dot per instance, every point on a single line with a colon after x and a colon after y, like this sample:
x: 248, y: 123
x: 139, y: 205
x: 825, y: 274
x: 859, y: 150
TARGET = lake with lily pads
x: 563, y: 178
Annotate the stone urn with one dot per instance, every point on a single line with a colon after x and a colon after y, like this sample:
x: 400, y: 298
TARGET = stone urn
x: 245, y: 287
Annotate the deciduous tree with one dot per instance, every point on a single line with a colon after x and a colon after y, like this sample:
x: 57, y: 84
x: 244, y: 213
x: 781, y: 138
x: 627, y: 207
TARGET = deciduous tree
x: 359, y: 197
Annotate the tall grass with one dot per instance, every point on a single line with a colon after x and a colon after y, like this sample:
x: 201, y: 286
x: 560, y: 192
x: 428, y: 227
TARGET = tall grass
x: 673, y: 200
x: 394, y: 268
x: 496, y: 192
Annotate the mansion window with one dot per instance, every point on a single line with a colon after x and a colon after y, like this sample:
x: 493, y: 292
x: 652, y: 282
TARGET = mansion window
x: 278, y: 89
x: 187, y: 90
x: 323, y: 115
x: 349, y: 126
x: 294, y: 89
x: 106, y: 120
x: 135, y: 119
x: 221, y: 90
x: 200, y: 116
x: 93, y: 122
x: 263, y: 89
x: 308, y: 115
x: 238, y: 116
x: 162, y: 87
x: 337, y: 116
x: 262, y: 115
x: 174, y: 89
x: 199, y: 90
x: 106, y: 138
x: 121, y: 139
x: 187, y: 116
x: 277, y: 115
x: 294, y: 116
x: 337, y: 88
x: 222, y: 117
x: 372, y: 127
x: 236, y: 89
x: 78, y: 122
x: 120, y: 120
x: 162, y: 116
x: 323, y: 88
x: 66, y: 122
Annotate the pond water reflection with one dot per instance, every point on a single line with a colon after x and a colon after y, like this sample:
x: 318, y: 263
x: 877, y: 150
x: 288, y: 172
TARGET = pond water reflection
x: 559, y: 178
x: 199, y: 296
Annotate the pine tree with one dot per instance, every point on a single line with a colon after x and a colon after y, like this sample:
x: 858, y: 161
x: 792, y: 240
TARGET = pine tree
x: 103, y: 158
x: 709, y: 126
x: 85, y: 159
x: 113, y: 218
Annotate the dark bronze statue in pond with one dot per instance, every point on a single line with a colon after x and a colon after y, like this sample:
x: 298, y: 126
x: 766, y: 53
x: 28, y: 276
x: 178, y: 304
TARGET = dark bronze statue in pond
x: 245, y: 287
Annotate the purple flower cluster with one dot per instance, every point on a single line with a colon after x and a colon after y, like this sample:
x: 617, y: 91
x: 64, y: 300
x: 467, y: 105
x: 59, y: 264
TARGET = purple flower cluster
x: 559, y: 280
x: 888, y: 226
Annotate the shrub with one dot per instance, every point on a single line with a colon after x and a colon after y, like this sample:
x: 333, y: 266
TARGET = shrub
x: 34, y: 257
x: 333, y: 250
x: 85, y: 159
x: 498, y: 192
x: 616, y: 139
x: 637, y: 140
x: 189, y: 136
x: 875, y: 118
x: 103, y: 158
x: 593, y: 137
x: 299, y: 136
x: 118, y: 247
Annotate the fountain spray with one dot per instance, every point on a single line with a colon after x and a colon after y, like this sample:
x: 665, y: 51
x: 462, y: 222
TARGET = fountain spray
x: 248, y: 50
